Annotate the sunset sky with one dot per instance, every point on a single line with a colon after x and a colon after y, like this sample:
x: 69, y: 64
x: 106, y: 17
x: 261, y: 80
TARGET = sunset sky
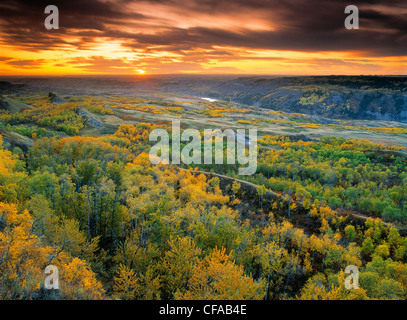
x: 203, y: 36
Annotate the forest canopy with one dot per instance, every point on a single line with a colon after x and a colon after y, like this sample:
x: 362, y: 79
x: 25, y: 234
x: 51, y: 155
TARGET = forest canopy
x: 88, y: 200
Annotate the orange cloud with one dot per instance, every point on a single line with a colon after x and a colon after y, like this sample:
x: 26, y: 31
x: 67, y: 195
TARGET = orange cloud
x: 213, y: 36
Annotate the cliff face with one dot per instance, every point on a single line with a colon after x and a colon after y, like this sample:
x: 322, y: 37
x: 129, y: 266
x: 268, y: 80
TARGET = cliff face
x: 53, y: 98
x: 16, y: 140
x: 91, y: 118
x: 13, y: 106
x: 369, y: 98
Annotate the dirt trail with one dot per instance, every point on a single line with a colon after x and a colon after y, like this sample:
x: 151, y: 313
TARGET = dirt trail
x: 272, y: 195
x: 269, y: 194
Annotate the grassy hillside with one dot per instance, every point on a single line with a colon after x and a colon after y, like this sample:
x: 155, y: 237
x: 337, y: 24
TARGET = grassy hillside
x: 13, y: 106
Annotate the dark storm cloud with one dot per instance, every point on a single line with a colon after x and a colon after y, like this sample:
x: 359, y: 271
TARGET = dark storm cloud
x: 303, y: 25
x: 22, y: 21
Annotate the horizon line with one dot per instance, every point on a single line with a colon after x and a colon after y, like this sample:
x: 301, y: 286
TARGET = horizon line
x: 202, y: 74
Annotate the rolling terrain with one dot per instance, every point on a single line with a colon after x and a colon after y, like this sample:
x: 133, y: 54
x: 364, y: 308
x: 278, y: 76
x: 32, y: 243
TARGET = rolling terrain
x: 335, y: 97
x: 77, y: 189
